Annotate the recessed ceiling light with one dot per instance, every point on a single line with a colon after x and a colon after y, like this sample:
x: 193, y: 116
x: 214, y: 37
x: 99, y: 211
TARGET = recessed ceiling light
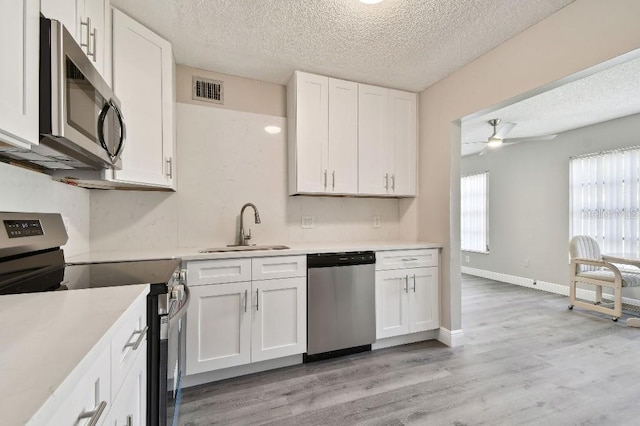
x: 272, y: 130
x: 370, y: 1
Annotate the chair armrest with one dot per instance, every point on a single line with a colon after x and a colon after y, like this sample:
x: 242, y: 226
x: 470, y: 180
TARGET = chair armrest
x: 621, y: 261
x: 600, y: 263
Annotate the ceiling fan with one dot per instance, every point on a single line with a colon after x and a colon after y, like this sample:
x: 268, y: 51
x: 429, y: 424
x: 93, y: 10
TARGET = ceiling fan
x: 499, y: 136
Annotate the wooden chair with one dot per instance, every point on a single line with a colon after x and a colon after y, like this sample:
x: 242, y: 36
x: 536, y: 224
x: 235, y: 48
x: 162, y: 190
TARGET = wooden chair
x: 589, y: 267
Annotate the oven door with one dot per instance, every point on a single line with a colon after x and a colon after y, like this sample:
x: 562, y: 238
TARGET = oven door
x: 176, y: 356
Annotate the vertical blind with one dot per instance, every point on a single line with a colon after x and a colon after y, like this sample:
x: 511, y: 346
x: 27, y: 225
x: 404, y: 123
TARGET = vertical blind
x: 605, y: 198
x: 473, y: 209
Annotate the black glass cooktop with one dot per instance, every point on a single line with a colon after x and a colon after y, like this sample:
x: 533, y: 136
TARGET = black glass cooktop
x: 47, y: 272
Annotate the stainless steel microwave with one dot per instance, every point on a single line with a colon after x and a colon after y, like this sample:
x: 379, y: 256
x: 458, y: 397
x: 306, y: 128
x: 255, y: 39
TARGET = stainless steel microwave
x: 81, y: 123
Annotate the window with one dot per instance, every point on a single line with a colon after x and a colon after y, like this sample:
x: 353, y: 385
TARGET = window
x: 474, y: 208
x: 605, y: 196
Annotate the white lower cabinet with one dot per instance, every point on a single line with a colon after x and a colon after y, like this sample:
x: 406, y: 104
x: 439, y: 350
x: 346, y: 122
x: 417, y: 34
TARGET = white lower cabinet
x: 279, y: 326
x: 130, y: 405
x: 218, y: 326
x: 236, y: 323
x: 407, y: 300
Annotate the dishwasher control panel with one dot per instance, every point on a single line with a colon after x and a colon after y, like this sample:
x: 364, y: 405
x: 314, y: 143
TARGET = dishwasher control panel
x: 321, y: 260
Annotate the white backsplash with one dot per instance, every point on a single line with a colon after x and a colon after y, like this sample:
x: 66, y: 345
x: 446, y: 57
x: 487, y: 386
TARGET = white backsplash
x: 27, y: 191
x: 226, y: 159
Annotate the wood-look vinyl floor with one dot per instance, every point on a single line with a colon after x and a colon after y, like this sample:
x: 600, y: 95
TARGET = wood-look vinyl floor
x: 527, y: 359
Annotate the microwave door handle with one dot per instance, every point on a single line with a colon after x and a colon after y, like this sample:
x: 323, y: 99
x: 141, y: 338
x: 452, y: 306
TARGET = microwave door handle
x: 101, y: 119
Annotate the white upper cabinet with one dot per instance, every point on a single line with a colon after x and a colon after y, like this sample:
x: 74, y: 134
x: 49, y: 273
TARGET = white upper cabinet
x: 89, y: 22
x: 402, y: 142
x: 373, y: 136
x: 308, y: 112
x: 387, y: 139
x: 343, y: 137
x: 19, y: 70
x: 143, y: 80
x: 323, y: 148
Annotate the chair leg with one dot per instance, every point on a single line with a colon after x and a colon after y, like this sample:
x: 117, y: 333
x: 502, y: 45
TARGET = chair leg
x: 617, y: 302
x: 572, y: 293
x: 598, y: 294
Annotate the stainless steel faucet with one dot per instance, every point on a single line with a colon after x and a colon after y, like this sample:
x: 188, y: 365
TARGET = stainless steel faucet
x: 243, y: 240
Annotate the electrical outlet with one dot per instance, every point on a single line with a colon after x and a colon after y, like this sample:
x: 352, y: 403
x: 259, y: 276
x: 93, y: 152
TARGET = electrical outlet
x: 466, y: 259
x: 307, y: 222
x: 376, y: 221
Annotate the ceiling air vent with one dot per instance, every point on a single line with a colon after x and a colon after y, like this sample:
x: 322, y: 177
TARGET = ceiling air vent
x: 207, y: 90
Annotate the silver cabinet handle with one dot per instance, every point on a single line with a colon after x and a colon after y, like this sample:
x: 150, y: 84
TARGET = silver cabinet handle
x: 246, y: 296
x: 170, y: 167
x: 333, y: 180
x: 386, y: 181
x: 409, y: 259
x: 414, y: 283
x: 90, y: 53
x: 93, y: 415
x: 142, y: 333
x: 129, y: 420
x: 325, y: 179
x: 406, y: 283
x: 257, y: 300
x: 88, y: 33
x: 393, y: 182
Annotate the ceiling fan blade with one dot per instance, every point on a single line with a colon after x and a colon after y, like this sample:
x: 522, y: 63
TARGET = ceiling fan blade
x: 504, y: 130
x: 471, y: 143
x: 530, y: 139
x: 484, y: 151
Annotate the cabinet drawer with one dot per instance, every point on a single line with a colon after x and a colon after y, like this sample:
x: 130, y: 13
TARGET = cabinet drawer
x: 266, y: 268
x: 218, y: 271
x: 91, y: 396
x: 127, y: 343
x: 402, y: 259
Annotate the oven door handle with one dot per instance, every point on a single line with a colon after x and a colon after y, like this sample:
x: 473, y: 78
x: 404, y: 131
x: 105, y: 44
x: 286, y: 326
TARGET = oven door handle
x: 173, y: 318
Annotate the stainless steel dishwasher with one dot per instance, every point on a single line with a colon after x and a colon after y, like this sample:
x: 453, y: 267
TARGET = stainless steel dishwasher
x: 341, y: 314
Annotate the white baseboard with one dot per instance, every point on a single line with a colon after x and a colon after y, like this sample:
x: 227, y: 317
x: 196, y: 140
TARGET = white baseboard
x: 549, y: 287
x: 451, y: 338
x: 403, y: 340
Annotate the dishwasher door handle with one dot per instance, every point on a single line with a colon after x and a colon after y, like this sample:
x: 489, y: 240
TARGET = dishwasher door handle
x: 406, y: 283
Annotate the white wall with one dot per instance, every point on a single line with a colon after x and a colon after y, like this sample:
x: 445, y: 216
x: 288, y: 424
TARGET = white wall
x: 27, y: 191
x: 529, y: 199
x: 226, y: 159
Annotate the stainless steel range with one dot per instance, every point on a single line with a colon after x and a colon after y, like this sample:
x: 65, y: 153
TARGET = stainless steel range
x: 31, y: 260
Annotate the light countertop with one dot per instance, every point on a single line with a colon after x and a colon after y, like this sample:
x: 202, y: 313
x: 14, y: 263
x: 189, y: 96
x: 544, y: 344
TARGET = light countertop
x: 48, y: 339
x: 295, y: 249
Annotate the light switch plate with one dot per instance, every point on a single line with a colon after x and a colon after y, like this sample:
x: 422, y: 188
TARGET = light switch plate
x: 307, y: 222
x: 376, y: 221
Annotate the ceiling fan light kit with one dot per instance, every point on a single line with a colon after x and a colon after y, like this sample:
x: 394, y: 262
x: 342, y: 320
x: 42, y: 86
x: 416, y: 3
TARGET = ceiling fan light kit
x: 494, y: 142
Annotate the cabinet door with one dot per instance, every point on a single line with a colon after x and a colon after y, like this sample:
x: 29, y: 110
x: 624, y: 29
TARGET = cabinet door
x: 130, y: 404
x: 343, y: 137
x: 143, y: 81
x: 97, y: 13
x: 424, y: 312
x: 403, y: 141
x: 392, y: 306
x: 279, y: 318
x: 373, y: 134
x: 219, y: 327
x: 311, y: 134
x: 68, y: 13
x: 19, y: 81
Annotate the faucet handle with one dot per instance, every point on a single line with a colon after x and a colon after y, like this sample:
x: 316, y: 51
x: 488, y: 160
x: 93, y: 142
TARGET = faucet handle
x: 248, y: 236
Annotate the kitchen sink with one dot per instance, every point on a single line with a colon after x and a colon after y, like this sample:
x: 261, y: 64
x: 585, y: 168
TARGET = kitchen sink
x: 243, y: 248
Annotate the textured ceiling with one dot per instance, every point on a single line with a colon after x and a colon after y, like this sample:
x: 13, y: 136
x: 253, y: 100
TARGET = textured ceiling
x: 609, y: 94
x: 404, y: 44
